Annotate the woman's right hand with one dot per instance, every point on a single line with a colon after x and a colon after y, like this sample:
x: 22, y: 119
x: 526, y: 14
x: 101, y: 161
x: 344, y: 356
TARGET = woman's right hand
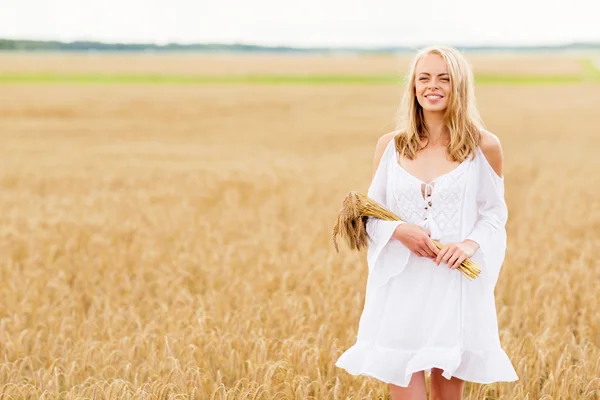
x: 416, y: 239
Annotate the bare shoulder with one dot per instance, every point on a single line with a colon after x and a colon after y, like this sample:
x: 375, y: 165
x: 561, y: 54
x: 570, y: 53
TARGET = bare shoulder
x: 382, y: 143
x: 492, y: 150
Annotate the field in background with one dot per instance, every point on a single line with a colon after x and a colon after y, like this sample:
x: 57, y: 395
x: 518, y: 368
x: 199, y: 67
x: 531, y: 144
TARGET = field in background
x: 496, y: 68
x: 264, y: 64
x: 171, y: 239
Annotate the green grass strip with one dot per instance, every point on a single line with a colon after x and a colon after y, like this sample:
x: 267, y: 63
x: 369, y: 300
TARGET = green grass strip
x: 592, y: 70
x: 52, y: 78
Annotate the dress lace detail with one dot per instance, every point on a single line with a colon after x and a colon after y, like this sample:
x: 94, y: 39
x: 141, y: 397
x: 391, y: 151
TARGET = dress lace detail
x: 442, y: 207
x: 408, y: 201
x: 447, y: 199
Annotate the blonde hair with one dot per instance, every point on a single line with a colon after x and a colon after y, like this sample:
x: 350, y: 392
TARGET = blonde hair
x: 462, y: 119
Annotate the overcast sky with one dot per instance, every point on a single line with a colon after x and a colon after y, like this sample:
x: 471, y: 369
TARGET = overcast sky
x: 305, y: 22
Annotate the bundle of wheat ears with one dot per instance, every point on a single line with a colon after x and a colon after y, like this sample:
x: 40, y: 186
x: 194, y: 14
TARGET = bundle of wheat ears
x: 351, y: 224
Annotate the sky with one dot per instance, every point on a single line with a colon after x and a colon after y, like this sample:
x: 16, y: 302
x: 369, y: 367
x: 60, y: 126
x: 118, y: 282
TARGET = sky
x: 304, y: 23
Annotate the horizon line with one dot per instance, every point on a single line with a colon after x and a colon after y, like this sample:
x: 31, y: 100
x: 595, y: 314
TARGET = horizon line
x: 159, y: 44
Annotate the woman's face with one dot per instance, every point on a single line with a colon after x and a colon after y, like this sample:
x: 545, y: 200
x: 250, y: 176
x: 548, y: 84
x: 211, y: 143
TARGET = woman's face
x: 432, y: 83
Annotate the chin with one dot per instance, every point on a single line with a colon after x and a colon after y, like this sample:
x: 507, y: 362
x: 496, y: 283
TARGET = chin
x: 426, y: 106
x: 434, y: 109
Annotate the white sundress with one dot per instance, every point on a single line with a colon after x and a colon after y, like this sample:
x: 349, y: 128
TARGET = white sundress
x: 418, y: 315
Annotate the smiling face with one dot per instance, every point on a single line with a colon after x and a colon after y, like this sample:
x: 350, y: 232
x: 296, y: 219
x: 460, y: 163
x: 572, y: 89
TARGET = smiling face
x: 440, y: 89
x: 432, y: 83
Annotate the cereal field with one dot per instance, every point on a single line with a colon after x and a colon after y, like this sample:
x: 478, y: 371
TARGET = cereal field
x: 173, y: 241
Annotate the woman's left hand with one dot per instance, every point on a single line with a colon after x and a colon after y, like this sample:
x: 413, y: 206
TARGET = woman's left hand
x: 454, y: 254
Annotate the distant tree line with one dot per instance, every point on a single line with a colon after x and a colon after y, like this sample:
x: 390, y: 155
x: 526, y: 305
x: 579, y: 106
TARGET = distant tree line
x: 35, y: 45
x: 38, y: 45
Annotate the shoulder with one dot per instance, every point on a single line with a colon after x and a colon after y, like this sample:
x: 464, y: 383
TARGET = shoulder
x: 492, y: 150
x: 382, y: 143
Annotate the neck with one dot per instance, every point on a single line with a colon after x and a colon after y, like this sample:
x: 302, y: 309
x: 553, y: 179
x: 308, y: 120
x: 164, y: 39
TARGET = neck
x: 436, y: 128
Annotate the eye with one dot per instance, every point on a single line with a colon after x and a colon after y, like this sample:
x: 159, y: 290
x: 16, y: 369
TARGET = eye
x: 446, y: 79
x: 422, y: 78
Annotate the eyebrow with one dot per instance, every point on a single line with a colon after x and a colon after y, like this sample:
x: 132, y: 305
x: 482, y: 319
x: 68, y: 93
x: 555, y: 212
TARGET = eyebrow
x: 427, y: 73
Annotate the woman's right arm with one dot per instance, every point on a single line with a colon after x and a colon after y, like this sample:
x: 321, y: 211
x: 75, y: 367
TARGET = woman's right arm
x: 414, y: 237
x: 417, y: 239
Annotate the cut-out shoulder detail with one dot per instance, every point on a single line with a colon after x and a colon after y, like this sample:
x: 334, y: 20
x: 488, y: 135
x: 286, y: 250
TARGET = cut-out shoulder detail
x: 382, y: 144
x: 488, y: 167
x: 492, y: 151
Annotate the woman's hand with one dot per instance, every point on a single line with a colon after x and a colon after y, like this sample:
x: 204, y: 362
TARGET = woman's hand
x: 454, y: 254
x: 416, y: 239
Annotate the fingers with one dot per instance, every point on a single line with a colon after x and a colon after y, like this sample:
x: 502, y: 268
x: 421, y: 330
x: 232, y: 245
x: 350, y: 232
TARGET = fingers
x: 456, y: 258
x: 425, y: 251
x: 421, y: 253
x: 426, y: 247
x: 433, y: 248
x: 452, y: 255
x: 442, y: 253
x: 447, y: 256
x: 452, y: 259
x: 459, y: 261
x: 430, y: 253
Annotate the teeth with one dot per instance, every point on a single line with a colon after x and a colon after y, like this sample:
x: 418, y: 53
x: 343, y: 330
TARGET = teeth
x: 434, y: 97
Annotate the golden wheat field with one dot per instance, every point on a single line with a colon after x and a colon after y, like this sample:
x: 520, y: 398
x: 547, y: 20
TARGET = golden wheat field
x: 222, y: 63
x: 174, y: 241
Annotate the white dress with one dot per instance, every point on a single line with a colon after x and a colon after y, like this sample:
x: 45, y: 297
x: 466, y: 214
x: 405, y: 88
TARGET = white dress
x: 418, y: 315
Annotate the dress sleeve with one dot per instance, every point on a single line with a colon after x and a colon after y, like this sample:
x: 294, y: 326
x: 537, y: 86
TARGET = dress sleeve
x: 386, y: 257
x: 489, y: 230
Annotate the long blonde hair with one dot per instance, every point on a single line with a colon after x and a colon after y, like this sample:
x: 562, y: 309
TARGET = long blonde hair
x: 462, y: 118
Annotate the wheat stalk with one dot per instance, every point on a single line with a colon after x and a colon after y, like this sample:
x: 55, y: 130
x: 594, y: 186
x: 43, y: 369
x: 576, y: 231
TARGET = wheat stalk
x: 351, y: 225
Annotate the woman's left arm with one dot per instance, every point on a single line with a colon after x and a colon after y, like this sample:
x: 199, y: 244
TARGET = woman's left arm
x: 488, y: 237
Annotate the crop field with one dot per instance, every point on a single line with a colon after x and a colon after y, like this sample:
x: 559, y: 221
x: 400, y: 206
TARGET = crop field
x: 166, y: 223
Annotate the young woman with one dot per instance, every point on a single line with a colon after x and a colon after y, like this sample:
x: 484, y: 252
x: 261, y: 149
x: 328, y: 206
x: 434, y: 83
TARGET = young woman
x: 441, y: 172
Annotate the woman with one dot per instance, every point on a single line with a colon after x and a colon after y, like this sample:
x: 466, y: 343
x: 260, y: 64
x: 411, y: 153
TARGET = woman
x: 441, y: 173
